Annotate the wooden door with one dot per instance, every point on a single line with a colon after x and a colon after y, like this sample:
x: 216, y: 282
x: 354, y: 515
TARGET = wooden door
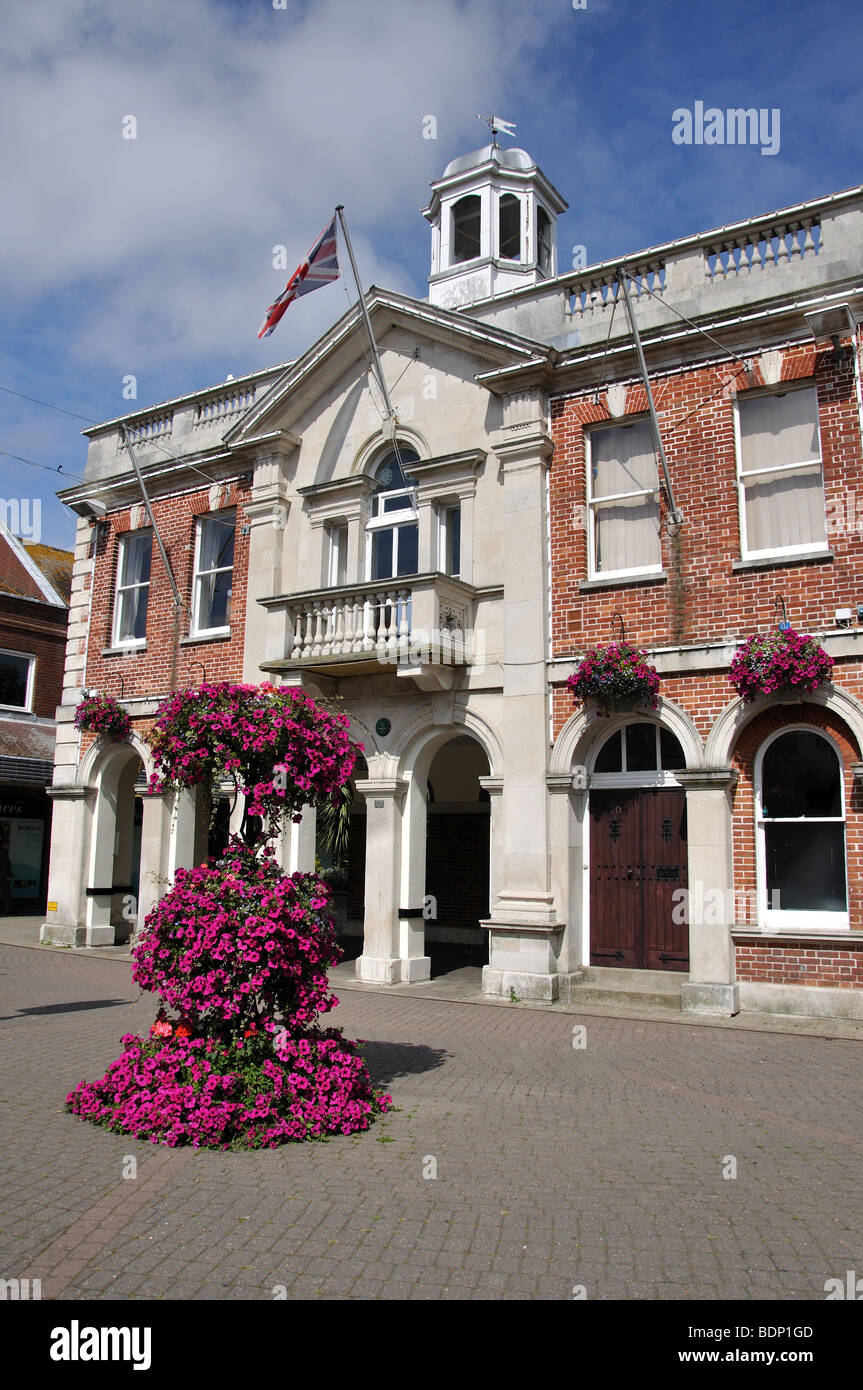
x: 638, y: 860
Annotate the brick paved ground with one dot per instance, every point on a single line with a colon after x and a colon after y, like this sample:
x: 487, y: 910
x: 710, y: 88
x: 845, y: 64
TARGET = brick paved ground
x: 556, y: 1167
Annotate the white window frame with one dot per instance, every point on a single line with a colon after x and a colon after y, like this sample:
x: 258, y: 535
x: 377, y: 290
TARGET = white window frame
x: 593, y: 503
x: 337, y: 556
x: 777, y: 920
x: 27, y: 707
x: 805, y: 547
x: 198, y: 574
x: 394, y: 521
x: 120, y: 588
x: 659, y: 777
x: 445, y: 511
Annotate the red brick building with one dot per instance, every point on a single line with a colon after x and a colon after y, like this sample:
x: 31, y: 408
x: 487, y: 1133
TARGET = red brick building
x: 763, y: 445
x: 34, y: 595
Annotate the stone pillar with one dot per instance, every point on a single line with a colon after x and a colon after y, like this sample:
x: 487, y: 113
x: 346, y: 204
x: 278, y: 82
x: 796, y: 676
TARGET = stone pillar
x: 427, y: 538
x: 567, y: 812
x: 414, y: 963
x: 712, y: 987
x: 295, y: 847
x: 380, y: 962
x: 524, y: 930
x: 494, y: 787
x: 155, y: 829
x: 71, y: 823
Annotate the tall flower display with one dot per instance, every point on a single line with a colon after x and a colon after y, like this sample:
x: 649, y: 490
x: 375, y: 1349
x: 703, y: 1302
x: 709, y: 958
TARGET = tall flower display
x: 239, y: 949
x: 618, y: 675
x: 776, y: 661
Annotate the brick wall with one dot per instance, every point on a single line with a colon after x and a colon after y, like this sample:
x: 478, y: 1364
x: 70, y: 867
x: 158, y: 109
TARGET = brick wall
x: 148, y: 670
x: 702, y: 599
x: 38, y: 629
x: 774, y: 961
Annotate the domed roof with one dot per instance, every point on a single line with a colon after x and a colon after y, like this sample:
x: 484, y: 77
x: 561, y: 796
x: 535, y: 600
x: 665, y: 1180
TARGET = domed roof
x: 507, y: 159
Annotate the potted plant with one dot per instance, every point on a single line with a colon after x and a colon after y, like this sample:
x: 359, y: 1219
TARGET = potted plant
x: 617, y: 676
x: 102, y: 714
x: 776, y: 662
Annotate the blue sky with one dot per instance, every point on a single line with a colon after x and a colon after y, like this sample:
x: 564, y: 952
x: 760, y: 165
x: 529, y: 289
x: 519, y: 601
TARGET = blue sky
x: 153, y: 256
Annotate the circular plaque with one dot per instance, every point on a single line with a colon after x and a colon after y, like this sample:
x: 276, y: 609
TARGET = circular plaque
x: 383, y: 727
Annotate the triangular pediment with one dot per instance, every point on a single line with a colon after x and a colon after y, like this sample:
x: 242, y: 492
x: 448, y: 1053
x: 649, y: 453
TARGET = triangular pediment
x: 344, y: 351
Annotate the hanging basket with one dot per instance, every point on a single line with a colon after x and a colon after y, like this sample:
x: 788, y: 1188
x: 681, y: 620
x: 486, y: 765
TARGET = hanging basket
x: 618, y: 677
x: 102, y: 714
x: 781, y: 663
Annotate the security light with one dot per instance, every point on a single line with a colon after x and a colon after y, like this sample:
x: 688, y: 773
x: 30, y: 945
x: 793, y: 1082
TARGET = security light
x: 830, y: 325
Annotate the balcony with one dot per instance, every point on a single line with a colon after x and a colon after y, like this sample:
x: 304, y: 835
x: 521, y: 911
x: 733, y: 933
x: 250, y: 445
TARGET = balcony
x: 419, y: 626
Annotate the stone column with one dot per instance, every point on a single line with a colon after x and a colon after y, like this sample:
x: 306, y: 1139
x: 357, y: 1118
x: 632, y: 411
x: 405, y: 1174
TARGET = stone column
x: 155, y: 829
x: 380, y: 962
x: 494, y: 787
x: 524, y: 930
x: 568, y: 808
x: 71, y: 823
x: 712, y: 987
x: 295, y: 847
x: 414, y: 963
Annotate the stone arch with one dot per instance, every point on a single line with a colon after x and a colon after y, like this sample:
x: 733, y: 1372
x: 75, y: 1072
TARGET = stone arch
x: 376, y: 444
x: 104, y: 751
x: 580, y: 735
x: 737, y: 714
x: 411, y: 740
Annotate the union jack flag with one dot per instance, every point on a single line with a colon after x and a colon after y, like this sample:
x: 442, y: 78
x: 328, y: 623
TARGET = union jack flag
x: 319, y: 268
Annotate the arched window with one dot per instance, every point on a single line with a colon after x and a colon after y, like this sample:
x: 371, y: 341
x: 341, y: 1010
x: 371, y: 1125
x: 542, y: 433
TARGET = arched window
x: 465, y: 228
x: 543, y: 240
x: 801, y: 831
x: 509, y: 227
x: 393, y: 531
x: 640, y: 748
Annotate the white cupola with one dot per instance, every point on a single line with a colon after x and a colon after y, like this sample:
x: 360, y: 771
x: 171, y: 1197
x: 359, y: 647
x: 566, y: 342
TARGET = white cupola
x: 493, y: 216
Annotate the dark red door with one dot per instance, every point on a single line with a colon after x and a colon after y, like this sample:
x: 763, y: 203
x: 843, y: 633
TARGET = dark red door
x: 638, y: 860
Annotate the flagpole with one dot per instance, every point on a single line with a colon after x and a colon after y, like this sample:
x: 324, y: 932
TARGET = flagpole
x: 379, y: 371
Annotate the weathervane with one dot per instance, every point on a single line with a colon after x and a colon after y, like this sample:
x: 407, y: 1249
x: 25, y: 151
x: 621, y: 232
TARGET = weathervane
x: 498, y: 126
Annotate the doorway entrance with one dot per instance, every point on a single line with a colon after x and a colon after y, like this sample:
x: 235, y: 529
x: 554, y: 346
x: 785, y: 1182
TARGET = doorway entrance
x: 638, y: 852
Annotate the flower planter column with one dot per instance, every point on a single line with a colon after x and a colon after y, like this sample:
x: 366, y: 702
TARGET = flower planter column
x: 711, y: 988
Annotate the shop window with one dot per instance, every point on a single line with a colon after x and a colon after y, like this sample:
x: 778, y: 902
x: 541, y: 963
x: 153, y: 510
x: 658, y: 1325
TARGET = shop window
x: 133, y: 589
x: 214, y: 570
x: 780, y: 481
x: 801, y: 829
x: 623, y: 501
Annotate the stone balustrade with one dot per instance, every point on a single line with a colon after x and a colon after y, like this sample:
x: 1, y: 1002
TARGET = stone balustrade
x: 376, y: 621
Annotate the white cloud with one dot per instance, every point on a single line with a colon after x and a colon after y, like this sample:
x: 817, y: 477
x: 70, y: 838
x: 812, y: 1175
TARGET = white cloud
x: 252, y: 123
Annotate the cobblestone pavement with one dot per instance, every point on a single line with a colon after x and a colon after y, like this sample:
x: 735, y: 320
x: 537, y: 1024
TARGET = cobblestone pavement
x: 557, y: 1166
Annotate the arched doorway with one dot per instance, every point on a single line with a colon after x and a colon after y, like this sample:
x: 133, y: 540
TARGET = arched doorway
x: 115, y: 860
x: 638, y: 851
x: 458, y: 848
